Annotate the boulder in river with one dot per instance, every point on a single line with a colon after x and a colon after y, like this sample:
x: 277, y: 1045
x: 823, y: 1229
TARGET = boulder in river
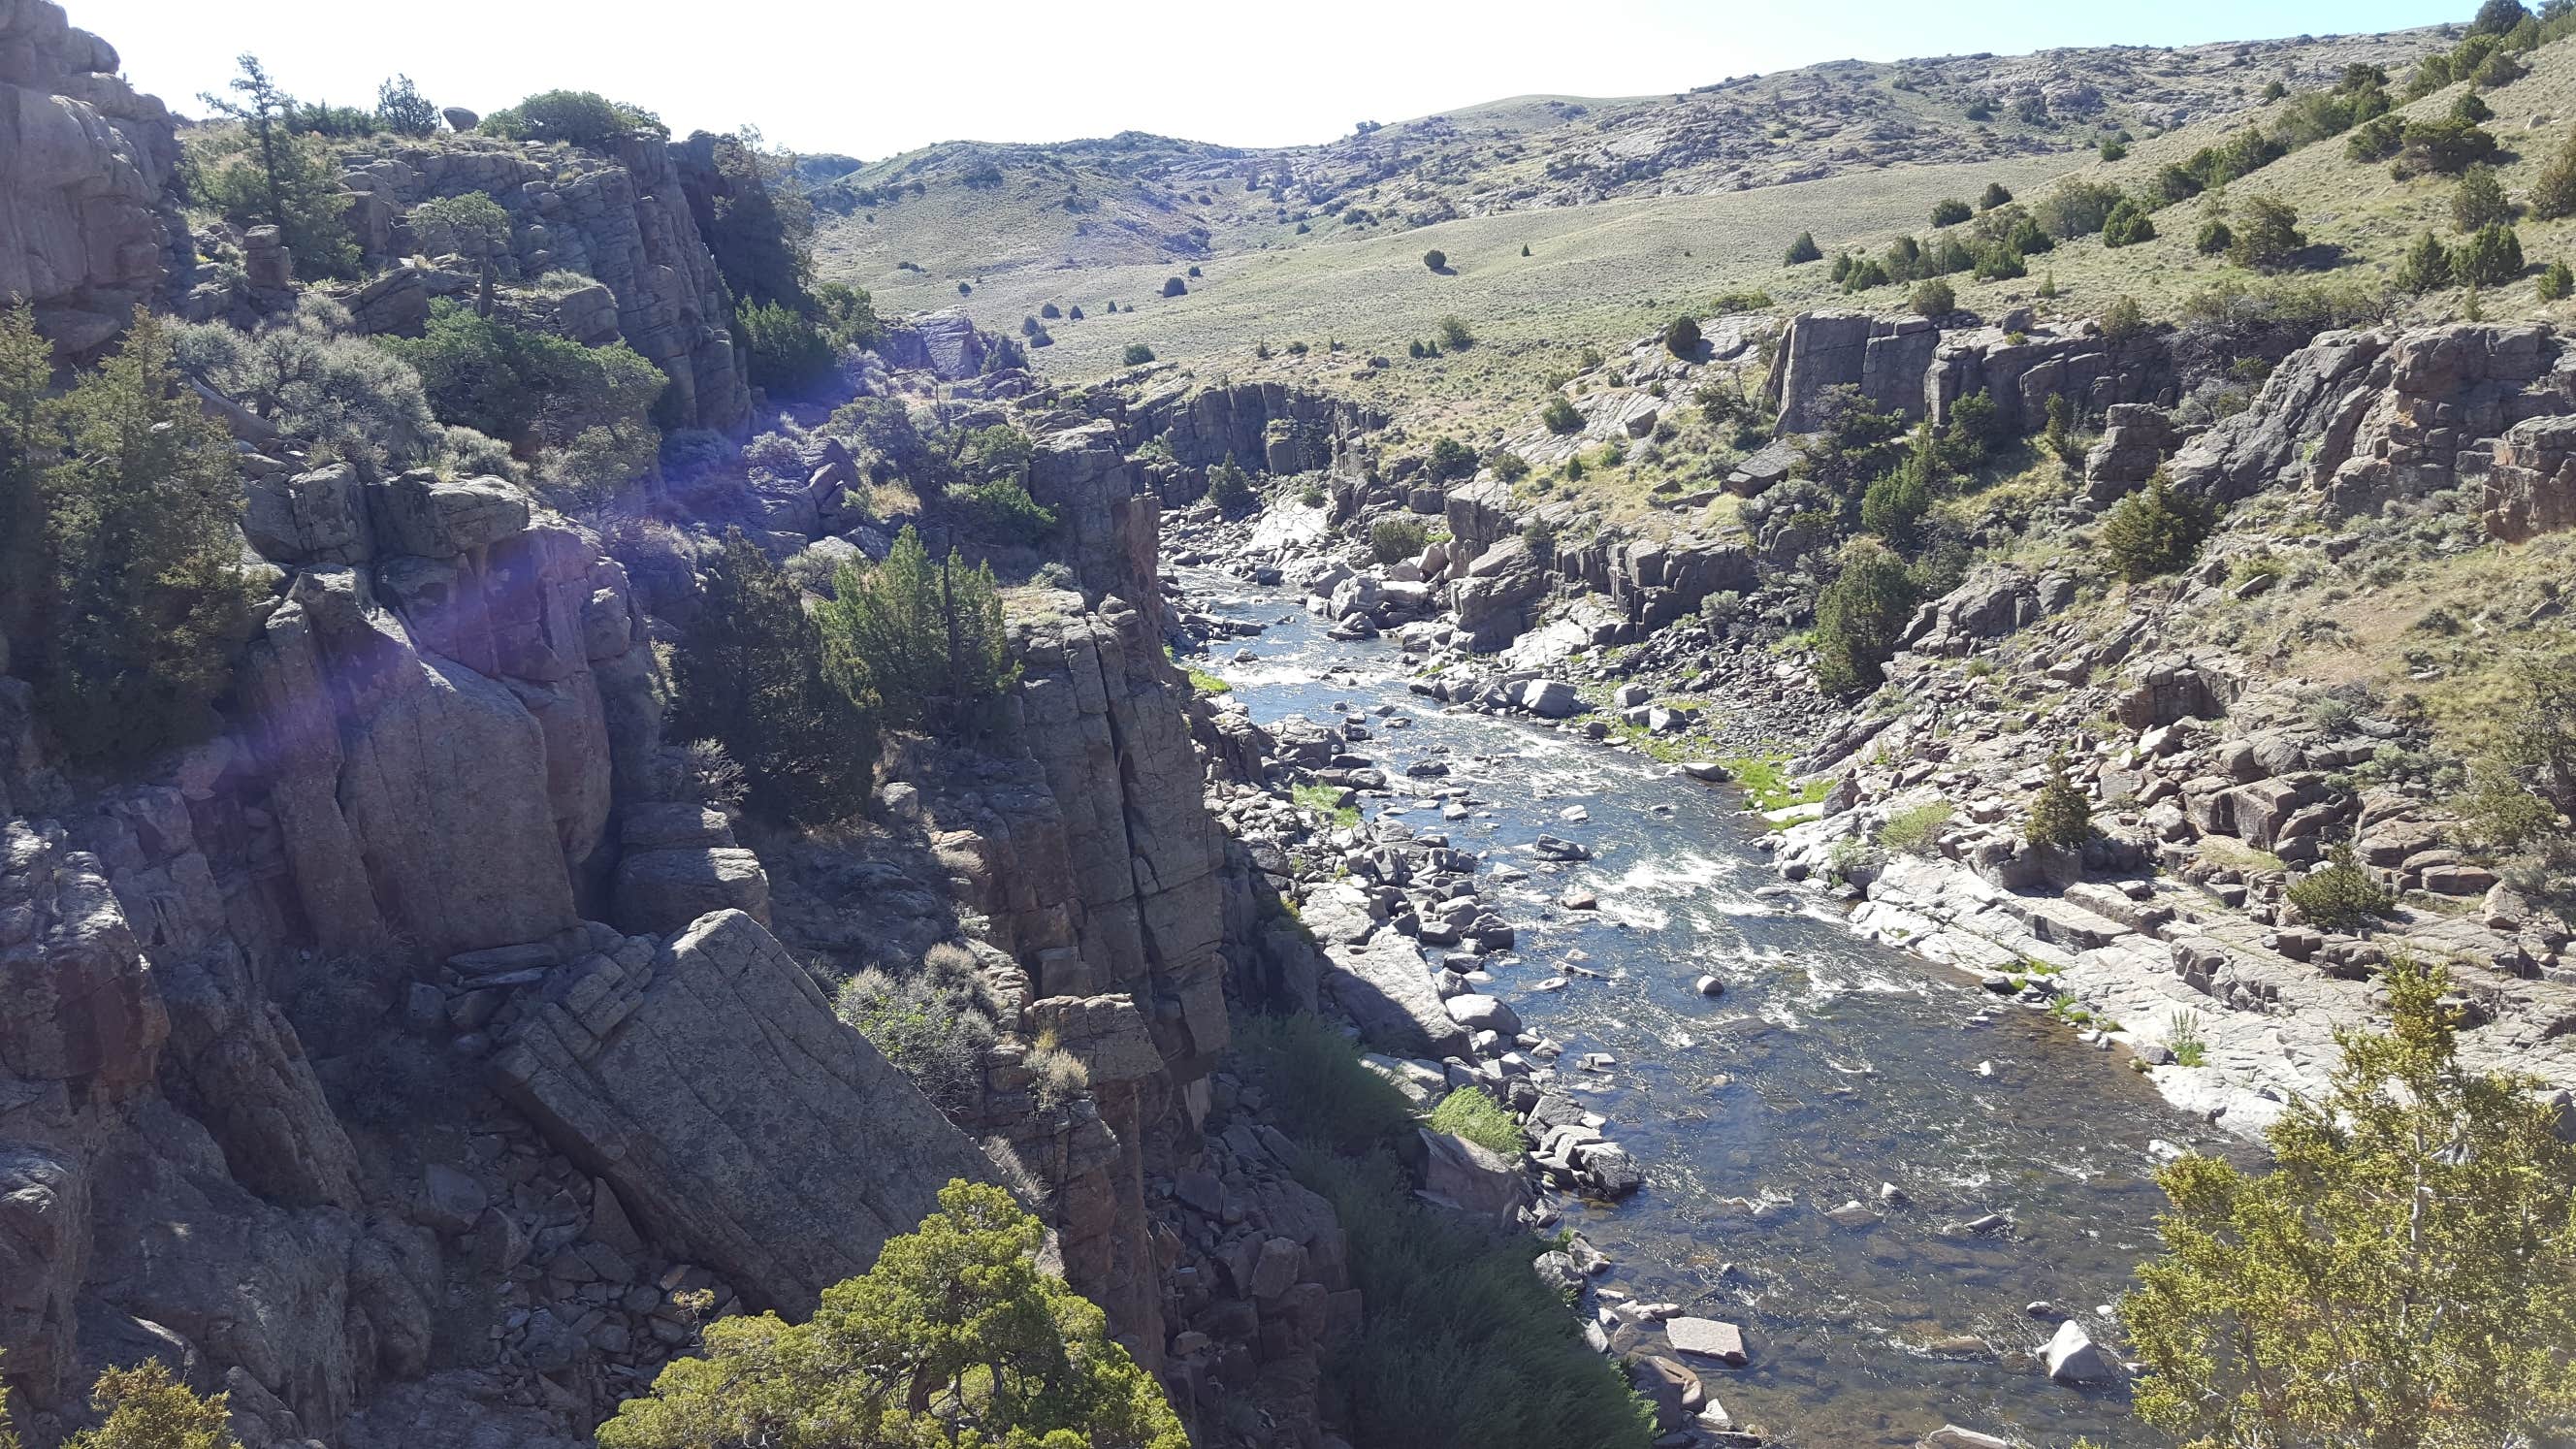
x: 1478, y: 1012
x: 2074, y: 1358
x: 1708, y: 1338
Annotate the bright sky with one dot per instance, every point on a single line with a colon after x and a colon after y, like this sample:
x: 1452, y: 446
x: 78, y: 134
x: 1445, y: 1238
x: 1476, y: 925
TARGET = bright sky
x: 871, y: 79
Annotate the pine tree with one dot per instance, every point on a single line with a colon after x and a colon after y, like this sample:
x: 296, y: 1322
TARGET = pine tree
x: 1804, y: 249
x: 2060, y: 816
x: 1858, y: 618
x: 2426, y: 266
x: 750, y: 676
x: 2479, y: 201
x: 928, y: 640
x: 2155, y: 531
x: 2553, y: 192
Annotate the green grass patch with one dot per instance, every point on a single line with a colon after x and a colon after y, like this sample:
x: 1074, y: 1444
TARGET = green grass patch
x: 1326, y: 800
x: 1206, y: 683
x: 1915, y: 830
x: 1768, y: 785
x: 1471, y: 1114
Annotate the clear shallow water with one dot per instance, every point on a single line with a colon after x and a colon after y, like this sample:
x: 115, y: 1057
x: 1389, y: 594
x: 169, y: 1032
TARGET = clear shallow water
x: 1830, y: 1065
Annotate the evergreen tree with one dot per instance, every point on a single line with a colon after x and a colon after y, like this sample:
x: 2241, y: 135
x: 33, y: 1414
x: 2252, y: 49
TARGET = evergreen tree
x: 2553, y: 192
x: 2268, y: 235
x: 263, y: 109
x: 1681, y: 338
x: 1859, y: 617
x: 2426, y: 266
x: 2127, y: 225
x: 1894, y: 505
x: 955, y: 1338
x: 403, y: 110
x: 1995, y: 195
x: 750, y: 676
x: 927, y: 639
x: 2060, y: 816
x: 2490, y: 258
x: 2479, y: 202
x: 2405, y: 1274
x: 2154, y: 531
x: 2556, y: 283
x: 1804, y: 249
x: 143, y: 601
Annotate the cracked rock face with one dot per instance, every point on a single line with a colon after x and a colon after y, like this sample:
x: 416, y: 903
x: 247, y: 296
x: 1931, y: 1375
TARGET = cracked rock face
x: 86, y: 166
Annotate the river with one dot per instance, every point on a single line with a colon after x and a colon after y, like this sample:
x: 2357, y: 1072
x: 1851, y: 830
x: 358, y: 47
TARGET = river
x: 1830, y: 1065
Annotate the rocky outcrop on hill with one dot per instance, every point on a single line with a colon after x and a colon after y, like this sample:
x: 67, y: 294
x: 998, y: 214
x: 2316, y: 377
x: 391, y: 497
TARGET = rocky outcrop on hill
x: 623, y: 220
x: 1264, y: 427
x: 1914, y: 368
x: 89, y: 223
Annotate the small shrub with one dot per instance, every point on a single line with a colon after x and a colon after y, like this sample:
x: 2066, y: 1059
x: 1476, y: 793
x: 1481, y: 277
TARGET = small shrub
x: 1392, y: 540
x: 1228, y: 488
x: 1804, y: 249
x: 2127, y: 225
x: 1950, y: 211
x: 1469, y: 1113
x: 1175, y: 287
x: 934, y: 1024
x: 2123, y: 319
x: 1561, y: 416
x: 471, y: 224
x: 1056, y: 1076
x: 1934, y: 298
x: 2426, y: 265
x: 1916, y: 830
x: 1436, y: 260
x: 2553, y: 191
x: 1681, y: 338
x: 2268, y: 235
x: 2182, y: 1038
x: 2214, y: 236
x: 1454, y: 334
x: 2556, y: 283
x: 2060, y: 815
x: 2491, y: 258
x: 1137, y: 355
x: 2479, y: 201
x: 2341, y: 896
x: 1995, y: 194
x: 2154, y: 531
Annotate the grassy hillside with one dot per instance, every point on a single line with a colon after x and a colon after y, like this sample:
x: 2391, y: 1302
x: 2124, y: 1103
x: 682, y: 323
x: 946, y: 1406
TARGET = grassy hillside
x: 977, y: 213
x: 1594, y: 274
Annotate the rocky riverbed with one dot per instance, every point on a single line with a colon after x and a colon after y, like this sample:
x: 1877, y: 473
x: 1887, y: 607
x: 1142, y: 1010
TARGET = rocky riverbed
x: 1898, y: 1186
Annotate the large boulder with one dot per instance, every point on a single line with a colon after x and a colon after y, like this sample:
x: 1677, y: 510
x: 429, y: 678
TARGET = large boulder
x: 1470, y: 1178
x: 737, y: 1119
x: 1385, y: 988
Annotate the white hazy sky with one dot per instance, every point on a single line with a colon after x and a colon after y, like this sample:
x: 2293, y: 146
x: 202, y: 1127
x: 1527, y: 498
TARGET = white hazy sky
x: 871, y: 79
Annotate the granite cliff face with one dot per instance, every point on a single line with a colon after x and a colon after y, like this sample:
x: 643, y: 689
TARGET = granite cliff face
x: 89, y: 227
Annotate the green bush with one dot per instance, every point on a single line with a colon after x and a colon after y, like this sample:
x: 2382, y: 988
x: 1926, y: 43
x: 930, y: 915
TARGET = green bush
x: 2491, y: 258
x: 2479, y: 202
x: 486, y: 374
x: 137, y: 600
x: 292, y: 183
x: 2376, y: 139
x: 2556, y: 283
x: 1469, y: 1113
x: 1949, y: 211
x: 749, y: 675
x: 2553, y: 191
x: 787, y: 354
x: 575, y: 118
x: 1916, y: 830
x: 471, y: 224
x: 2123, y: 319
x: 1001, y: 508
x: 2426, y: 265
x: 2214, y: 237
x: 1228, y: 488
x: 1450, y: 460
x: 2154, y: 531
x: 1561, y: 416
x: 1436, y: 260
x: 1175, y: 287
x: 1333, y: 1101
x: 2447, y: 146
x: 956, y: 1336
x: 1859, y: 617
x: 1804, y: 249
x: 2341, y: 896
x: 925, y: 640
x: 1392, y: 540
x: 1454, y: 334
x: 2267, y: 234
x: 1137, y: 355
x: 2060, y: 815
x: 2127, y: 225
x: 1934, y: 298
x: 1681, y: 338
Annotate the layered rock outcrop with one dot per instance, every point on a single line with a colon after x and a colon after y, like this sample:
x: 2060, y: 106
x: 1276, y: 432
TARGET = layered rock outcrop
x: 1911, y: 367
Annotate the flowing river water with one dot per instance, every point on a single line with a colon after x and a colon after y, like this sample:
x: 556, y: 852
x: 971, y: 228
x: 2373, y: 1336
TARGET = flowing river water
x: 1830, y: 1065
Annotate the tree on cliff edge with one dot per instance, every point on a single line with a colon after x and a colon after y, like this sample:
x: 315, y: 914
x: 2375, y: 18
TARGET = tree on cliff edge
x: 954, y: 1340
x: 2405, y: 1276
